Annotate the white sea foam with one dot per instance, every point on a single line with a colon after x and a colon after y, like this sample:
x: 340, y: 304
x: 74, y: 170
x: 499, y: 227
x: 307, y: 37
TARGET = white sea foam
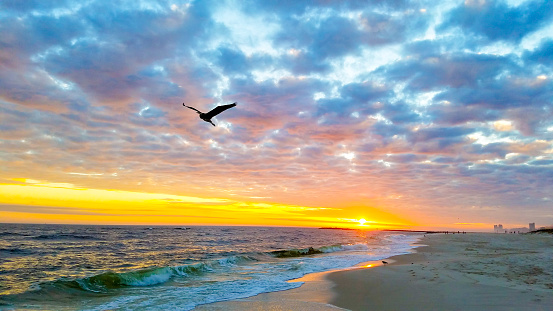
x: 355, y: 247
x: 234, y: 277
x: 184, y: 268
x: 158, y: 277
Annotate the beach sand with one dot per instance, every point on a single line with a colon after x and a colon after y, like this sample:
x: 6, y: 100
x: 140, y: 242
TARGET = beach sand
x: 314, y: 294
x: 456, y: 272
x: 453, y: 272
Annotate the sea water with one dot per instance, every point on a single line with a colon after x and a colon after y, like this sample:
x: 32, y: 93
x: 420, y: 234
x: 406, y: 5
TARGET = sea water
x: 70, y: 267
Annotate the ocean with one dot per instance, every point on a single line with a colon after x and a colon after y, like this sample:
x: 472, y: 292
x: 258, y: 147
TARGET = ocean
x: 74, y: 267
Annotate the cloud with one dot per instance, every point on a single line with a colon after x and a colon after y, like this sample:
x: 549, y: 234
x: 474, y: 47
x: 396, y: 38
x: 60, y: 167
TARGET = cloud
x: 496, y: 20
x: 420, y: 108
x: 434, y: 71
x: 542, y: 54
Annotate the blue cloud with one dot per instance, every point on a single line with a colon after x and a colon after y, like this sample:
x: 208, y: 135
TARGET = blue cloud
x: 305, y: 63
x: 541, y: 162
x: 402, y: 113
x: 232, y: 61
x: 456, y: 114
x: 379, y: 80
x: 496, y: 20
x: 542, y: 55
x: 38, y: 5
x: 436, y: 71
x: 318, y: 42
x: 355, y: 97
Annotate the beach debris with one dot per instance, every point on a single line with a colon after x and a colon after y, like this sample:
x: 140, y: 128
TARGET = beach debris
x: 296, y: 252
x: 212, y: 113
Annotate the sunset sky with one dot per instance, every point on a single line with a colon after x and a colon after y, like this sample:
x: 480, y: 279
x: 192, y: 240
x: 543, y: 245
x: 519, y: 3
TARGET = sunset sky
x: 410, y: 114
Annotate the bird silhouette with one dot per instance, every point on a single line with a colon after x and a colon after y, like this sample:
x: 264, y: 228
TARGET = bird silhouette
x: 213, y: 112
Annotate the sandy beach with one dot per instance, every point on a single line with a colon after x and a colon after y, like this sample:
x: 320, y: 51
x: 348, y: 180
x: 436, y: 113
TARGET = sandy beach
x: 453, y: 272
x: 456, y: 272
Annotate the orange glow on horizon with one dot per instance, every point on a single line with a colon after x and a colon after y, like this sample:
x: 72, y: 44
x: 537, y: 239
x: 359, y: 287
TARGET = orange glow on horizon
x: 32, y: 201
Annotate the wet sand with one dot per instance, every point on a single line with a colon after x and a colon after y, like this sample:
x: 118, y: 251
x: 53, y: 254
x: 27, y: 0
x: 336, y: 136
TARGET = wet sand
x: 453, y: 272
x: 314, y: 294
x: 456, y: 272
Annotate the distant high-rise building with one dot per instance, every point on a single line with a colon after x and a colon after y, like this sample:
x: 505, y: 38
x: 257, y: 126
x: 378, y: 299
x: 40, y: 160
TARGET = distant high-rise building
x: 498, y: 228
x: 532, y: 226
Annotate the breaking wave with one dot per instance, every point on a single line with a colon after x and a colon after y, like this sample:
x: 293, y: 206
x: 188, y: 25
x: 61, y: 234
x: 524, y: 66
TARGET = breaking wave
x: 104, y: 282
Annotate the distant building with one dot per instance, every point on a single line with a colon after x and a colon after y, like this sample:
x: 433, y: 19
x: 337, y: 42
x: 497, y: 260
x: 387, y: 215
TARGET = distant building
x: 498, y: 228
x: 518, y: 230
x: 532, y: 226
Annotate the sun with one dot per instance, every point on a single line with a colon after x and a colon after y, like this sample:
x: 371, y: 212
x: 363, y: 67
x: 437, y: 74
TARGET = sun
x: 362, y: 221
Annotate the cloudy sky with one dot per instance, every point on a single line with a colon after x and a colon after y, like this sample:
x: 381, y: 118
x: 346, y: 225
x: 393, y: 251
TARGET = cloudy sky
x: 398, y: 112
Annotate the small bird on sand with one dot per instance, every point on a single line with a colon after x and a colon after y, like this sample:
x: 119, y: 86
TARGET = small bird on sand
x: 384, y: 262
x: 215, y: 111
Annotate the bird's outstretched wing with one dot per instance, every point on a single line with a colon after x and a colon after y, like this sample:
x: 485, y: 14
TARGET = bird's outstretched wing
x: 192, y: 108
x: 217, y: 110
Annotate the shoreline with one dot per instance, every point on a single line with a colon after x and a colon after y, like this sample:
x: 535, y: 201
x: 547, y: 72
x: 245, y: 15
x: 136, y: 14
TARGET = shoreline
x: 455, y: 272
x: 473, y: 271
x: 315, y: 293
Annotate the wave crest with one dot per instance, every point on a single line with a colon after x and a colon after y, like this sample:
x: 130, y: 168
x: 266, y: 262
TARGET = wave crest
x: 102, y: 283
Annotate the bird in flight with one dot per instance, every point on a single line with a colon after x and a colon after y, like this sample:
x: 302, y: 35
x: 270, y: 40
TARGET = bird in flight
x: 215, y: 111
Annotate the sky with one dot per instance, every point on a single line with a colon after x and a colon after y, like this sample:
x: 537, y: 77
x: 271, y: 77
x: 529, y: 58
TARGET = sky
x: 407, y: 114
